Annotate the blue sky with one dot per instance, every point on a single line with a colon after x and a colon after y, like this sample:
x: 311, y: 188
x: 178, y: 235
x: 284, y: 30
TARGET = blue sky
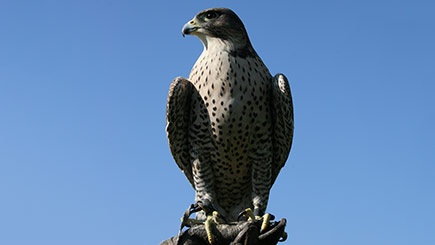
x: 83, y: 151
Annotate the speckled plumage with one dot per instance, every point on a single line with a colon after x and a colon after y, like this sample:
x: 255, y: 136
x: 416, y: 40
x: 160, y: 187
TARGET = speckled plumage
x: 230, y: 124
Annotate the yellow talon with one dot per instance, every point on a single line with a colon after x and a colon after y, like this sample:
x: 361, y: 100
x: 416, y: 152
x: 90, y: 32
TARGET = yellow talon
x: 265, y: 219
x: 208, y: 229
x: 265, y: 222
x: 250, y: 214
x: 212, y: 219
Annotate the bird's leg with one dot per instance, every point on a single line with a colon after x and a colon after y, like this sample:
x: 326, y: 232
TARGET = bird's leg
x: 204, y: 182
x: 259, y: 212
x: 261, y: 183
x: 203, y: 179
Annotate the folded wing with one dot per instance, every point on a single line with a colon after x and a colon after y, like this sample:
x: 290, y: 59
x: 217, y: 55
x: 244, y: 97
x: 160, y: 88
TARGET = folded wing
x: 283, y: 124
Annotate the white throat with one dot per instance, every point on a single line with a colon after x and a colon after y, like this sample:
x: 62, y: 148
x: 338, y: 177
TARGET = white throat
x: 213, y: 45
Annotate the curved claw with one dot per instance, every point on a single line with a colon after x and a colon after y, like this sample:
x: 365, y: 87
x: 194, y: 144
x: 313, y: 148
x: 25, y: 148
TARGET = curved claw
x: 241, y: 214
x: 246, y: 213
x: 206, y: 206
x: 185, y: 218
x: 193, y: 208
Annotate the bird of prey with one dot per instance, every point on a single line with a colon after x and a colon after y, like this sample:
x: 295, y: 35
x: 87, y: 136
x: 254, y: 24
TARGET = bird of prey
x: 230, y: 124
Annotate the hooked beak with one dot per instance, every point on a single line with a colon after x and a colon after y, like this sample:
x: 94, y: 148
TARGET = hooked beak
x: 189, y: 28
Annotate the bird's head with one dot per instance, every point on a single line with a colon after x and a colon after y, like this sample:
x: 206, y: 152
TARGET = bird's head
x: 218, y: 23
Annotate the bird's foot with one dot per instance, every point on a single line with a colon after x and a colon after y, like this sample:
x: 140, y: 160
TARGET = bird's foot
x: 210, y: 224
x: 185, y: 220
x: 267, y: 217
x: 247, y: 213
x: 251, y: 215
x: 212, y: 218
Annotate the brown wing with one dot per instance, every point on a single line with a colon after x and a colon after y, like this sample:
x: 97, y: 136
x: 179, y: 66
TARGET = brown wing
x: 177, y: 123
x: 282, y: 107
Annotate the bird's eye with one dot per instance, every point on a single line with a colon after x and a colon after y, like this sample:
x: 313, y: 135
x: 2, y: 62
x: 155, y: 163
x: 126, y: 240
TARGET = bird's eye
x: 211, y: 15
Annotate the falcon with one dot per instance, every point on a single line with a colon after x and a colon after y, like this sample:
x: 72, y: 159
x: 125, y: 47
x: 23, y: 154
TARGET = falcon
x: 230, y: 124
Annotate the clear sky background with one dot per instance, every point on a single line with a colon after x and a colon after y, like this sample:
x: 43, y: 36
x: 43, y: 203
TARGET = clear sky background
x: 83, y: 152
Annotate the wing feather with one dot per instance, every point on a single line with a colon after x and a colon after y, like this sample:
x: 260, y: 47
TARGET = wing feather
x: 178, y: 112
x: 283, y: 123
